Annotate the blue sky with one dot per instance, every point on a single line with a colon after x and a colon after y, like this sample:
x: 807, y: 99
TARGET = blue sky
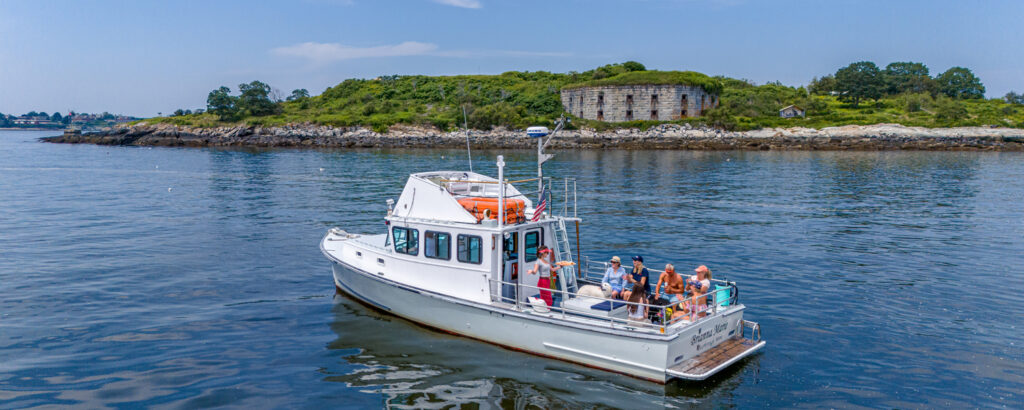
x: 145, y: 57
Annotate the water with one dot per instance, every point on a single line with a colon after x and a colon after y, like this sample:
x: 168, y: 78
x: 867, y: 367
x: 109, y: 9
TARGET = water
x: 191, y: 277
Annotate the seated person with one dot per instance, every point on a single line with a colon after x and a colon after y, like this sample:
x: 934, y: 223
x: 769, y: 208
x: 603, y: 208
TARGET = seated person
x: 615, y: 277
x: 637, y: 312
x: 702, y: 278
x: 639, y: 277
x: 675, y: 285
x: 694, y: 305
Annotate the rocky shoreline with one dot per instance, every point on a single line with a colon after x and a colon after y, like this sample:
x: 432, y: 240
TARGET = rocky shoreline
x: 667, y: 136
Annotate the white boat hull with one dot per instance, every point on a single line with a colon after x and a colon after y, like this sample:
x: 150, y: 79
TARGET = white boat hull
x: 637, y: 354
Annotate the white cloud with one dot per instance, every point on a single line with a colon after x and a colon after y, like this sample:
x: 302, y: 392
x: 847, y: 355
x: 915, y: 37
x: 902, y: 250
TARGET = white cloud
x: 468, y: 4
x: 328, y: 52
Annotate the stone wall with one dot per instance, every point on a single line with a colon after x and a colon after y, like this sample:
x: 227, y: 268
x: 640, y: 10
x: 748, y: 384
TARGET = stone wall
x: 637, y: 102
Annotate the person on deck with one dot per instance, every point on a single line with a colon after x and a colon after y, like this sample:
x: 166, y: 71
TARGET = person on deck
x: 640, y: 276
x: 637, y: 312
x: 615, y: 277
x: 694, y: 306
x: 544, y: 268
x: 702, y: 279
x: 675, y: 285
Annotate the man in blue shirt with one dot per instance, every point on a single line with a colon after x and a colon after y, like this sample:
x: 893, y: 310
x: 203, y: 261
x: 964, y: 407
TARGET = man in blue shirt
x: 615, y: 277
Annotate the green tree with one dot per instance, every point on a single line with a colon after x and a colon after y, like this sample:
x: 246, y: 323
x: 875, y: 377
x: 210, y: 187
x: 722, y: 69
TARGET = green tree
x: 960, y: 83
x: 611, y: 70
x: 859, y: 81
x: 222, y: 103
x: 255, y: 99
x: 907, y: 77
x: 179, y: 112
x: 56, y: 117
x: 299, y: 94
x: 498, y: 114
x: 822, y: 86
x: 633, y: 66
x: 1014, y: 98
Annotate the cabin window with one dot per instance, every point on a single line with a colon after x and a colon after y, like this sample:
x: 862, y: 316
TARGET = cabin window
x: 437, y: 245
x: 682, y: 113
x: 654, y: 99
x: 629, y: 115
x: 600, y: 115
x: 469, y: 249
x: 600, y: 99
x: 407, y: 240
x: 654, y: 114
x: 629, y: 98
x: 531, y: 242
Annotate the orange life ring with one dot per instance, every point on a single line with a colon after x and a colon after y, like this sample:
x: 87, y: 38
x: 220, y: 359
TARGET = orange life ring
x: 487, y: 208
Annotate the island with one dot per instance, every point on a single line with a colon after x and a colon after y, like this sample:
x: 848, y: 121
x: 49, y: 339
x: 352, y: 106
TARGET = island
x: 860, y: 107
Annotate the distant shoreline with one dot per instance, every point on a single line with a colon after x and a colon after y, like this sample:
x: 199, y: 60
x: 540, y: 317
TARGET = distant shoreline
x: 876, y: 137
x: 31, y: 129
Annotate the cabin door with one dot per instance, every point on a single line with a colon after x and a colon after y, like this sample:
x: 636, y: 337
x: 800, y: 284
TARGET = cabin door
x: 532, y: 240
x: 510, y: 266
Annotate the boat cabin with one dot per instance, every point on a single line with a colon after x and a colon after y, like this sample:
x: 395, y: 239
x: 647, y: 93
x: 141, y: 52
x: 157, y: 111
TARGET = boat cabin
x: 444, y: 235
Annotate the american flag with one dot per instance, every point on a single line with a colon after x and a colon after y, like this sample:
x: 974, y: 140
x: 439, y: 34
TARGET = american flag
x: 539, y: 210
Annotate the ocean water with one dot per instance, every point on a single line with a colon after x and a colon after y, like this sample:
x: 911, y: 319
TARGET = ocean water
x: 186, y: 278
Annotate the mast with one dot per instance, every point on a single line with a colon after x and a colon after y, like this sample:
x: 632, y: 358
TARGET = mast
x: 465, y: 127
x: 501, y: 192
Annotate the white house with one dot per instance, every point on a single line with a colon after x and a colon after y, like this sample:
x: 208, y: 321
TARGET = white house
x: 792, y: 111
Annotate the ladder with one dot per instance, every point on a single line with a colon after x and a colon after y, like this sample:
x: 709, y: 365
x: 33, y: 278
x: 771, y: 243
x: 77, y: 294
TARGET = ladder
x: 564, y: 252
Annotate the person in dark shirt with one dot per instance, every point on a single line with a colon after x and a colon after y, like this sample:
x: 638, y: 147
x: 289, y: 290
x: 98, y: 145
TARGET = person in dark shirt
x: 639, y: 276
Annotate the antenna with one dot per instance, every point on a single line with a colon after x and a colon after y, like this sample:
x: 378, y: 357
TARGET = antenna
x: 539, y: 133
x: 465, y: 126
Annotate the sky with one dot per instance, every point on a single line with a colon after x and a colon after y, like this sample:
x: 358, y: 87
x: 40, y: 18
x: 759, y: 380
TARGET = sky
x: 148, y: 57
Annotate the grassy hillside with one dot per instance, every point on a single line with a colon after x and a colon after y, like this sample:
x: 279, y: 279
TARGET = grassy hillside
x: 520, y: 99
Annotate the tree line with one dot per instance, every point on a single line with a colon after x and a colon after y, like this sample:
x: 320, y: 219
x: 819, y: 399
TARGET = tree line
x: 903, y: 92
x: 863, y: 80
x: 254, y: 99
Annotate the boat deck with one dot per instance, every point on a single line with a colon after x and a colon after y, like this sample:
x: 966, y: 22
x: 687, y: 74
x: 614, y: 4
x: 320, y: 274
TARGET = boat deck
x: 710, y: 362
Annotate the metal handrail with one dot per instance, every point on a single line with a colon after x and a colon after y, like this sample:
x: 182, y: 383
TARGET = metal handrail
x: 568, y: 295
x: 522, y: 306
x: 594, y: 272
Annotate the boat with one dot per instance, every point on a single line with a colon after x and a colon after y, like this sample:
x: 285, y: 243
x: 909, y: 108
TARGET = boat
x: 445, y: 265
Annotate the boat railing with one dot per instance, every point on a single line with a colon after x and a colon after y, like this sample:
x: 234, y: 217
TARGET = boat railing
x: 568, y: 198
x: 513, y: 292
x: 591, y: 271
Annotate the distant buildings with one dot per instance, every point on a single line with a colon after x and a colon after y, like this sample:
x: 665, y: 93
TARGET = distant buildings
x: 792, y: 111
x: 36, y: 121
x: 42, y: 120
x: 618, y: 103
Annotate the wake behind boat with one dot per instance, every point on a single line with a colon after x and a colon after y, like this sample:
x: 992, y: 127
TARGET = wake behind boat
x: 458, y: 256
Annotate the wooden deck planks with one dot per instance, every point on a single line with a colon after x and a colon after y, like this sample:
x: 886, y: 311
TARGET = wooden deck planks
x: 714, y: 357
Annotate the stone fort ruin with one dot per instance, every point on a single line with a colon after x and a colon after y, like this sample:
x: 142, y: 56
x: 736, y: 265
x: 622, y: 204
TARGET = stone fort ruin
x: 630, y: 102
